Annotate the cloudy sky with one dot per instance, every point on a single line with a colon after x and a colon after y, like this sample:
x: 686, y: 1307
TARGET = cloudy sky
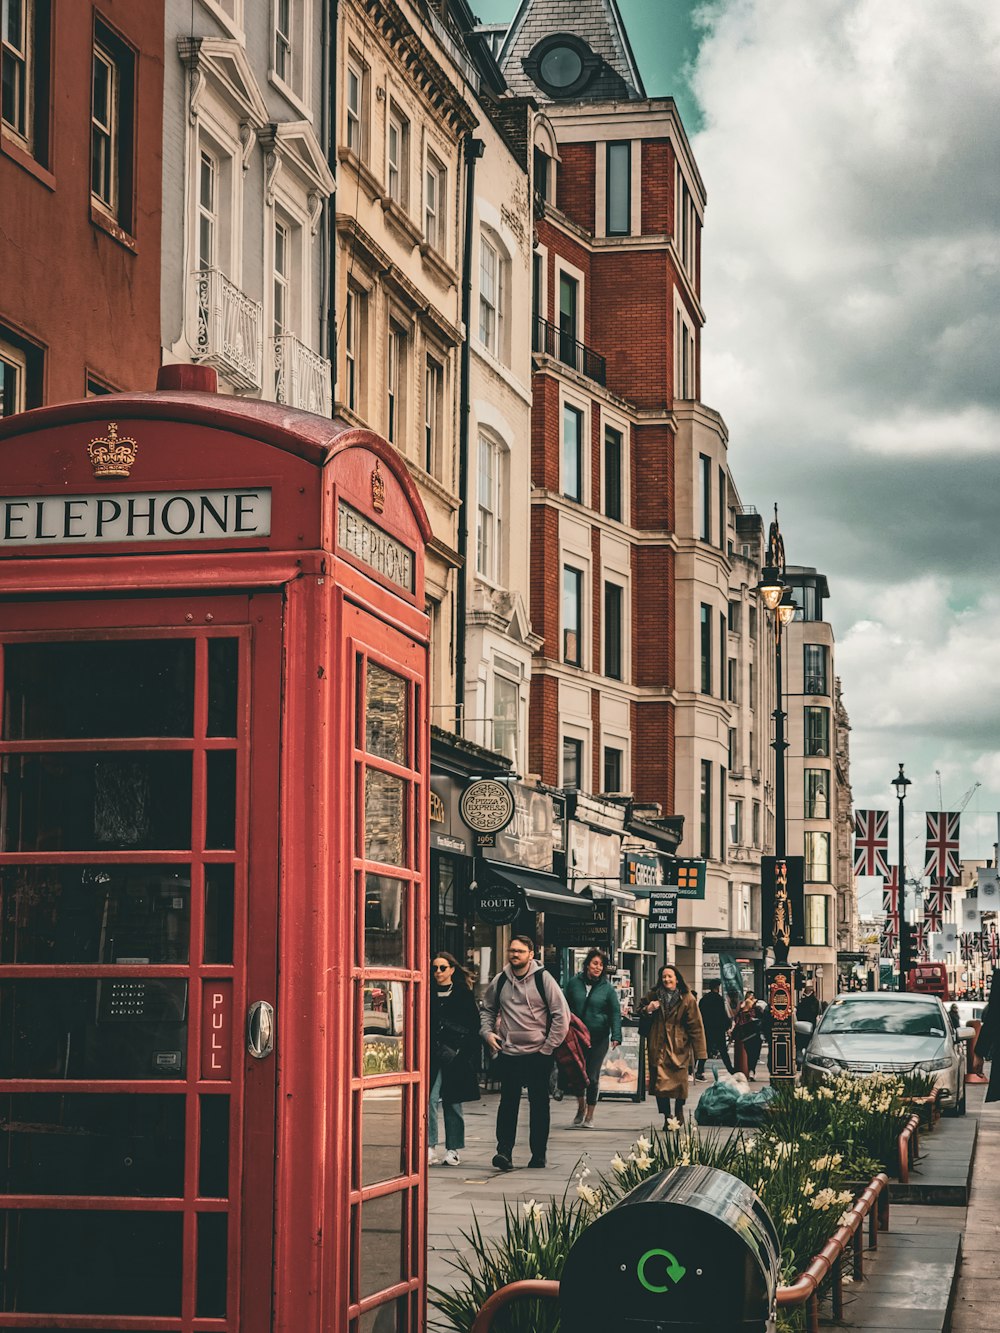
x: 851, y: 154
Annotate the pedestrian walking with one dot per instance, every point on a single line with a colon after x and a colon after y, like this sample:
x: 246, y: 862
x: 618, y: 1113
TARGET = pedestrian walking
x: 988, y: 1041
x: 670, y: 1020
x: 716, y: 1021
x: 747, y: 1029
x: 808, y: 1009
x: 454, y: 1052
x: 592, y: 998
x: 524, y: 1018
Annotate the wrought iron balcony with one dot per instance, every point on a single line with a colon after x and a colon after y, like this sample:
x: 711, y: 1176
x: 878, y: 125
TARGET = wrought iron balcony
x: 301, y: 376
x: 229, y: 332
x: 550, y: 340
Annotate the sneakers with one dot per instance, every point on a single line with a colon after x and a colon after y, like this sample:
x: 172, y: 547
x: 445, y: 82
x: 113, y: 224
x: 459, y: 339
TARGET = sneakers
x: 587, y: 1124
x: 502, y: 1162
x: 432, y: 1156
x: 536, y: 1163
x: 577, y: 1120
x: 451, y: 1158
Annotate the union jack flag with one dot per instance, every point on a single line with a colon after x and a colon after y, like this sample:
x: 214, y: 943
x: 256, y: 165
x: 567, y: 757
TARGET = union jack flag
x: 942, y: 884
x: 942, y: 844
x: 965, y: 946
x: 932, y: 912
x: 994, y: 947
x: 919, y: 937
x: 871, y: 842
x: 886, y: 945
x: 890, y: 890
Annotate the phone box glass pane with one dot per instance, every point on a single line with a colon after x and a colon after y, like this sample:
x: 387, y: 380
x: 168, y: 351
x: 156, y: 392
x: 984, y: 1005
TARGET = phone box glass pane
x: 381, y: 1134
x: 97, y: 802
x: 220, y: 822
x: 112, y: 688
x: 219, y: 906
x: 223, y: 686
x: 385, y: 921
x: 131, y: 1028
x: 95, y: 914
x: 385, y: 1318
x: 382, y: 1242
x: 212, y: 1268
x: 91, y: 1262
x: 213, y: 1167
x: 385, y: 824
x: 386, y: 714
x: 383, y: 1025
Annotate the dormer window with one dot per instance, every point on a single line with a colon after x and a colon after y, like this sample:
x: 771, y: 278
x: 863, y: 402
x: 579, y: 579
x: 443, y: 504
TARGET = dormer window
x: 561, y: 65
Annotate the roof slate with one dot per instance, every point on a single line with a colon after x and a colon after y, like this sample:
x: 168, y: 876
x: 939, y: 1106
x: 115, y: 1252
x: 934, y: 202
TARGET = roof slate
x: 598, y: 23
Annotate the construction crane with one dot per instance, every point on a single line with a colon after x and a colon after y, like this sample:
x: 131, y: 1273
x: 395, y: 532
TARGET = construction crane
x: 968, y: 795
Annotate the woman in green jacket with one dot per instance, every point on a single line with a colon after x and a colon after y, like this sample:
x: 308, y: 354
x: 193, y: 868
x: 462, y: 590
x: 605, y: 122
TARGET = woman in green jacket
x: 593, y: 999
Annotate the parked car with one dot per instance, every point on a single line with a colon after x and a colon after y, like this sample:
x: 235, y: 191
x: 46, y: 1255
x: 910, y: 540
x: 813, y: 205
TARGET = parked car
x: 867, y: 1032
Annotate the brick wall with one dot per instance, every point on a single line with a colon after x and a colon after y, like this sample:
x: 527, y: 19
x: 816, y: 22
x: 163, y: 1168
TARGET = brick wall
x: 653, y: 616
x: 653, y: 752
x: 545, y: 432
x: 545, y: 577
x: 543, y: 729
x: 597, y: 766
x: 597, y: 660
x: 576, y: 184
x: 658, y: 176
x: 652, y: 477
x: 631, y: 311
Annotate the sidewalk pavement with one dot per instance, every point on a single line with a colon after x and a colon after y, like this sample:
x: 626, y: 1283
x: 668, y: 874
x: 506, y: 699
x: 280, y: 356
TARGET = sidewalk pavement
x: 977, y: 1295
x: 477, y: 1187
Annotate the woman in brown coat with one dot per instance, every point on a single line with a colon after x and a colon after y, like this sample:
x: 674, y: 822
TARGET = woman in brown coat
x: 675, y: 1036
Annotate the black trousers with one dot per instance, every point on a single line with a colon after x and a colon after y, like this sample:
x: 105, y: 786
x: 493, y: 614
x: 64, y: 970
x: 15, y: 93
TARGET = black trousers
x: 516, y: 1072
x: 595, y: 1059
x: 715, y: 1044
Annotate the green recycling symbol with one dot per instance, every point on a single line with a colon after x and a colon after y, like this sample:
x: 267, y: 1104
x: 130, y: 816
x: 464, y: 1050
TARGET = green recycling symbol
x: 675, y: 1270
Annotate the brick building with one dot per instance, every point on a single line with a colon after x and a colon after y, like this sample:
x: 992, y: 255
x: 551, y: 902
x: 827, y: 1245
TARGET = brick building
x: 80, y: 177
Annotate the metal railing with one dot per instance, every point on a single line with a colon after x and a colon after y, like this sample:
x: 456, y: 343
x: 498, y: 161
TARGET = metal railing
x: 229, y: 332
x: 301, y: 376
x: 548, y: 339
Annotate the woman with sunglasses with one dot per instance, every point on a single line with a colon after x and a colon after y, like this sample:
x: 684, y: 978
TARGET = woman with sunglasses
x: 454, y: 1050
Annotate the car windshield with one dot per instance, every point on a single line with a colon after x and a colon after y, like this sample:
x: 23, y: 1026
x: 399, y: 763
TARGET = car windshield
x: 891, y: 1017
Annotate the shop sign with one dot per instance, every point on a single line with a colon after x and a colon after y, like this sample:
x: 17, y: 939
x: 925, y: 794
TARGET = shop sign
x: 663, y: 911
x: 782, y: 898
x: 447, y: 831
x: 594, y: 855
x: 601, y: 814
x: 687, y: 875
x: 487, y: 807
x: 373, y: 546
x: 146, y: 516
x: 497, y: 905
x: 595, y: 933
x: 528, y: 839
x: 643, y: 871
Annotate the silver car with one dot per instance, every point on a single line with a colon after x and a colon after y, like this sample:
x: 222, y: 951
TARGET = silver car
x: 888, y: 1032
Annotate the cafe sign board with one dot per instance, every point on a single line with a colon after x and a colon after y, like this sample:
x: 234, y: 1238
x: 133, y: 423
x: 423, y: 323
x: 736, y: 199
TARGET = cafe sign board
x: 497, y: 904
x: 486, y: 807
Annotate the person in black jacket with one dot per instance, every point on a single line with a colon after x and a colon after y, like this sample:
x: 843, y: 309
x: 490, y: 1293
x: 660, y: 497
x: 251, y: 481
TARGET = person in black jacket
x: 454, y: 1048
x: 715, y: 1016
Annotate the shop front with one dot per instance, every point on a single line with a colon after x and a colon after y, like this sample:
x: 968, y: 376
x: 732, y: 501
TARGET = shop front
x: 213, y: 938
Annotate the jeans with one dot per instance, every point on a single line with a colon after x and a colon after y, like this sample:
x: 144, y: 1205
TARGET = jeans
x: 454, y: 1120
x: 516, y: 1072
x: 595, y: 1058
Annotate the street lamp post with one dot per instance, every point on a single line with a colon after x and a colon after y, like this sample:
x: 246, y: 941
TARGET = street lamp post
x: 901, y: 782
x: 777, y: 598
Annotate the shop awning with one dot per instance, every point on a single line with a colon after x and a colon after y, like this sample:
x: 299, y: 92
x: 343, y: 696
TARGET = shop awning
x: 542, y: 893
x: 609, y: 888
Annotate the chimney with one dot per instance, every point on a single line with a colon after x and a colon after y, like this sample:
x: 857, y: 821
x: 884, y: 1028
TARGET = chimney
x: 190, y: 379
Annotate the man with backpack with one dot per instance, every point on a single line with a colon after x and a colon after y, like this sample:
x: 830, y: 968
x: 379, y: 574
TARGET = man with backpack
x: 525, y: 1017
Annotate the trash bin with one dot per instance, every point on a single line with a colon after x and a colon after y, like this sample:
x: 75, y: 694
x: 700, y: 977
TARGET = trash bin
x: 691, y: 1249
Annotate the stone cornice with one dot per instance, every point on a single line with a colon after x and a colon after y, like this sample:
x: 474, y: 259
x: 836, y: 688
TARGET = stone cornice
x: 420, y: 66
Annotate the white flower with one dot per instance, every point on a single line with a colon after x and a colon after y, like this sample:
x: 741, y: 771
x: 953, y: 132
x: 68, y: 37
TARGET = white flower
x: 619, y: 1164
x: 643, y: 1162
x: 808, y: 1188
x: 673, y: 1123
x: 532, y: 1211
x: 590, y: 1197
x: 642, y: 1143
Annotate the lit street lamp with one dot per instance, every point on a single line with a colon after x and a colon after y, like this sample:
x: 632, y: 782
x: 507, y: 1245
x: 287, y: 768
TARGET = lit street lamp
x: 900, y: 782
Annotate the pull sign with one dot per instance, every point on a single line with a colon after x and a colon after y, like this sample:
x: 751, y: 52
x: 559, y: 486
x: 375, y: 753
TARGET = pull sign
x: 260, y: 1029
x: 216, y: 1030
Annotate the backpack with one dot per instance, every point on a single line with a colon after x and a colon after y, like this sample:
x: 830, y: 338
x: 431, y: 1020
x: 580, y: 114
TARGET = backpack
x: 583, y: 1036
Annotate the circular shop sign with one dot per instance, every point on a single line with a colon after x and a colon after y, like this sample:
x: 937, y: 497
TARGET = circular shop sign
x: 487, y: 806
x: 498, y: 907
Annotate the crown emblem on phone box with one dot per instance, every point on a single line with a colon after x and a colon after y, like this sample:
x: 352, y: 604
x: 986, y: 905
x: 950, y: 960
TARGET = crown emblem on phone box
x: 111, y: 456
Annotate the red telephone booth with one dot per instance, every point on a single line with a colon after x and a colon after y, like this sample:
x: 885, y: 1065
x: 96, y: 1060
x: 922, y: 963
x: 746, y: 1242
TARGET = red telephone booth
x: 215, y: 750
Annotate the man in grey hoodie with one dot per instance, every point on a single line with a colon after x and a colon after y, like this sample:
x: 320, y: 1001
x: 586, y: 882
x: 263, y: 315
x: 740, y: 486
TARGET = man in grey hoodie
x: 525, y: 1017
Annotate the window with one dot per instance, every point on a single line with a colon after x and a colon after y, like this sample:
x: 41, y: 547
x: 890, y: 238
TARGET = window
x: 733, y: 749
x: 282, y: 247
x: 732, y: 679
x: 736, y: 823
x: 816, y: 914
x: 817, y: 793
x: 751, y: 695
x: 755, y: 817
x: 208, y: 210
x: 543, y: 172
x: 817, y: 857
x: 751, y: 749
x: 808, y: 601
x: 817, y: 731
x: 491, y: 297
x: 614, y: 769
x: 354, y: 317
x: 723, y: 676
x: 283, y: 40
x: 489, y: 513
x: 743, y: 913
x: 734, y: 618
x: 433, y: 414
x: 614, y: 596
x: 687, y: 225
x: 723, y: 508
x: 723, y: 804
x: 398, y: 157
x: 505, y: 716
x: 572, y: 762
x: 619, y: 189
x: 395, y: 381
x: 705, y: 497
x: 97, y: 388
x: 706, y: 649
x: 572, y: 452
x: 22, y: 103
x: 752, y: 622
x: 435, y: 201
x: 613, y: 473
x: 357, y: 107
x: 111, y: 117
x: 13, y: 380
x: 814, y: 658
x: 572, y: 616
x: 569, y: 291
x: 705, y: 809
x: 685, y: 362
